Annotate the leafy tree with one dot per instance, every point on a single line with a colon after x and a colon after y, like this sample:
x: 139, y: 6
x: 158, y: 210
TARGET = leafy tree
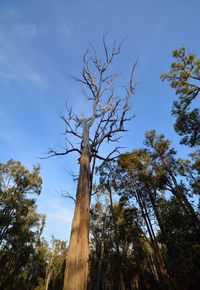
x: 128, y: 181
x: 21, y: 225
x: 164, y: 160
x: 146, y: 186
x: 182, y: 245
x: 55, y: 258
x: 36, y: 267
x: 147, y: 179
x: 158, y: 175
x: 190, y: 170
x: 184, y: 77
x: 125, y: 261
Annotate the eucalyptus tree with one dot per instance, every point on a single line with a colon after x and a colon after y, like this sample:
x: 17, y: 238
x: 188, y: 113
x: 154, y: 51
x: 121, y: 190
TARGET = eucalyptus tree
x: 145, y: 186
x: 156, y: 174
x: 177, y: 226
x: 190, y: 170
x: 108, y: 117
x: 181, y: 242
x: 99, y: 243
x: 161, y: 187
x: 164, y: 157
x: 20, y: 227
x: 105, y: 187
x: 124, y: 260
x: 55, y: 257
x: 184, y: 77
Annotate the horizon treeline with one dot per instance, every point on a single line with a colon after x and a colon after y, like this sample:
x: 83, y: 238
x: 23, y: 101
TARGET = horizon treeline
x: 144, y: 217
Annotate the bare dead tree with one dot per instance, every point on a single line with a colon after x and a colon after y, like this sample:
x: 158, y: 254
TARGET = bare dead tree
x: 107, y: 120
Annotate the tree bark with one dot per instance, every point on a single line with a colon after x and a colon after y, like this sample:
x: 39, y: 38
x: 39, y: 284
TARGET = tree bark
x: 76, y: 271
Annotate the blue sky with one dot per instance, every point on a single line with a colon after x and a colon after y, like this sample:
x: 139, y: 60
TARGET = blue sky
x: 41, y: 46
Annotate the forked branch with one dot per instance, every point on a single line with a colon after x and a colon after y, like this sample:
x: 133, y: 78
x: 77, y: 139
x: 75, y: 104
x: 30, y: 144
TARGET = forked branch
x: 109, y: 113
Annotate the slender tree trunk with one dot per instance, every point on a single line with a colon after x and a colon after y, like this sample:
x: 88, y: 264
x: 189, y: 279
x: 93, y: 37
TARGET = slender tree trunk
x: 140, y: 273
x: 122, y: 283
x: 119, y: 264
x: 99, y: 275
x: 76, y: 271
x: 48, y: 273
x: 47, y: 281
x: 159, y: 262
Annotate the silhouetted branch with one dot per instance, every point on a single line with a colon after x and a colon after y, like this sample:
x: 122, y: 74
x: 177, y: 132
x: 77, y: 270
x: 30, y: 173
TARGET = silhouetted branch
x: 108, y: 157
x: 109, y: 112
x: 51, y: 152
x: 65, y: 194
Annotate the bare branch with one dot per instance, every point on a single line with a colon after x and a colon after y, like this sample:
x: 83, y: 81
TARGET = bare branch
x: 66, y: 194
x: 69, y: 129
x: 109, y: 58
x: 108, y: 157
x: 109, y: 112
x: 131, y: 82
x: 72, y: 174
x: 51, y: 152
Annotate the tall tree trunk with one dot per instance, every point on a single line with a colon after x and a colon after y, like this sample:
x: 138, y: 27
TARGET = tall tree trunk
x: 76, y: 271
x: 160, y: 266
x: 159, y: 261
x: 160, y: 258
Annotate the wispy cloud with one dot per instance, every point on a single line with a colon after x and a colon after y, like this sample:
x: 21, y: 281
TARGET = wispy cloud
x: 65, y: 29
x: 8, y: 13
x: 8, y: 75
x: 58, y: 213
x: 20, y: 72
x: 6, y: 137
x: 13, y: 66
x: 35, y: 78
x: 26, y: 30
x: 62, y: 215
x: 58, y: 218
x: 17, y: 58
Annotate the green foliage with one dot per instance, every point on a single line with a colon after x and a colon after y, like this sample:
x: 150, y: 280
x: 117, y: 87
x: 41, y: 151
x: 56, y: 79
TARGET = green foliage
x: 55, y: 258
x: 182, y: 244
x: 155, y: 218
x: 164, y: 162
x: 184, y: 77
x: 188, y: 126
x: 20, y: 226
x: 119, y: 251
x: 25, y: 258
